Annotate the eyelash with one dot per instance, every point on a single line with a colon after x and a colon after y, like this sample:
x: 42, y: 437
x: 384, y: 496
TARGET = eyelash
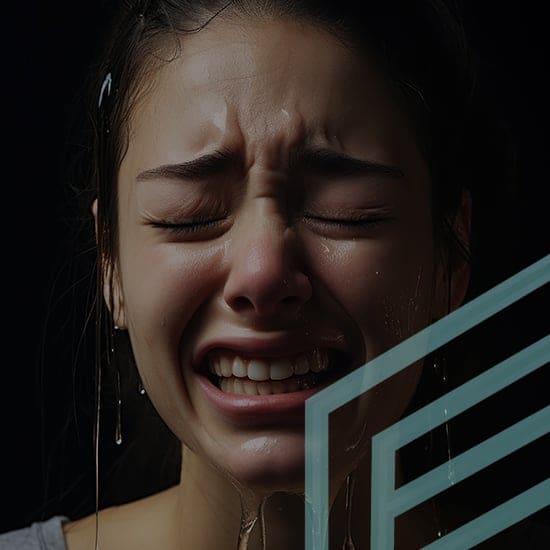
x: 197, y: 225
x: 188, y: 227
x: 346, y: 223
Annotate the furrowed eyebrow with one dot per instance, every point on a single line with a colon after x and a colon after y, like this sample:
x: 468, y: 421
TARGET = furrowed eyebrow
x: 323, y: 162
x: 326, y: 162
x: 209, y: 165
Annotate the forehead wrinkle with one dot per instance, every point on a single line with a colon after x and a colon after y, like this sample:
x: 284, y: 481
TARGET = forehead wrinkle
x: 266, y: 119
x: 257, y: 120
x: 271, y: 143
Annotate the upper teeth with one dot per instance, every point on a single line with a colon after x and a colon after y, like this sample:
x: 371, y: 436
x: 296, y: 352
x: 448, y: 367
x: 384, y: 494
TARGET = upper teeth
x: 227, y: 364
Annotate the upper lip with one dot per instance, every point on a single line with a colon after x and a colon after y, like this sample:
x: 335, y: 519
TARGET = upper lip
x: 266, y: 347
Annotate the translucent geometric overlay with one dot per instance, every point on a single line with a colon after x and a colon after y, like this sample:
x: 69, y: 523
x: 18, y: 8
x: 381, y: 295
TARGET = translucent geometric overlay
x: 387, y: 502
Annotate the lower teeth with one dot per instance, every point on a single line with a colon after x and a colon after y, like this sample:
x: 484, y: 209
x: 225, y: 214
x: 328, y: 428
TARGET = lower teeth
x: 269, y: 387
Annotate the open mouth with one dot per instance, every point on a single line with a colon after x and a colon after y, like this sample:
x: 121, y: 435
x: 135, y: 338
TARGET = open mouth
x: 236, y: 374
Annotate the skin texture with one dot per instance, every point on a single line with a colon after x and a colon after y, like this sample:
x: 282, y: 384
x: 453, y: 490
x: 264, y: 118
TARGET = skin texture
x: 273, y: 265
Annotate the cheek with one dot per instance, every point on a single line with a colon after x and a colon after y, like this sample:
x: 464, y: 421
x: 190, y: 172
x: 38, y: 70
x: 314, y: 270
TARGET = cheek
x: 164, y: 284
x: 384, y: 285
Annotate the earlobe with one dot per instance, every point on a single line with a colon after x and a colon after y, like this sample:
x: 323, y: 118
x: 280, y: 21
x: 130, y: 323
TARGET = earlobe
x: 112, y: 288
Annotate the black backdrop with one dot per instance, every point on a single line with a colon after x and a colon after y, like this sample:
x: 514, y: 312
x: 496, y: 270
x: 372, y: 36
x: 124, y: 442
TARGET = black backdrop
x: 46, y: 55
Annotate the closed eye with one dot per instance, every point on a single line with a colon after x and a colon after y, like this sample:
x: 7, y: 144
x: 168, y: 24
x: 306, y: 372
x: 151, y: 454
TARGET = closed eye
x: 191, y: 227
x: 346, y: 222
x: 345, y: 227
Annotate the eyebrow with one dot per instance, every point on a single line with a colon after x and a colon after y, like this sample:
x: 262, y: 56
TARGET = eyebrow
x: 327, y: 162
x: 209, y: 165
x: 320, y: 161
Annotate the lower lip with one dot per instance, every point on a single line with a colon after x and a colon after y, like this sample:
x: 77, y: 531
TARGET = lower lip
x: 258, y: 409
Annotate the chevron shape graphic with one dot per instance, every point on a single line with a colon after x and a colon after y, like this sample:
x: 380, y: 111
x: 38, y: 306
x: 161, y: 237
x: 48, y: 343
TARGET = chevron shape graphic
x: 387, y: 502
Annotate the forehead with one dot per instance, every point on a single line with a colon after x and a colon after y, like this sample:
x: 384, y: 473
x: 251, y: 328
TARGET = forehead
x: 263, y: 87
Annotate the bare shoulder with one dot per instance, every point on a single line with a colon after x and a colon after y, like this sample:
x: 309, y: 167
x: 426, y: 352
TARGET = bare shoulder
x: 141, y: 524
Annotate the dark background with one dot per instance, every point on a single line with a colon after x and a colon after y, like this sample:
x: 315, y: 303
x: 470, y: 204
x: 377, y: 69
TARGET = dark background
x: 46, y: 57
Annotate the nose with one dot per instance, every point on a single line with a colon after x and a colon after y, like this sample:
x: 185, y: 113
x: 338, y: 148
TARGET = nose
x: 266, y: 280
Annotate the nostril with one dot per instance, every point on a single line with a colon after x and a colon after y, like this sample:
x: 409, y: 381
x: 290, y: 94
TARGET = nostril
x: 269, y: 289
x: 241, y: 303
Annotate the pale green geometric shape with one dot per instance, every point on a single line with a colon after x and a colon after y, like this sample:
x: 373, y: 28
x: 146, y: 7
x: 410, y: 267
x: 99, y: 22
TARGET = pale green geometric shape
x: 319, y: 406
x: 496, y: 520
x: 390, y: 503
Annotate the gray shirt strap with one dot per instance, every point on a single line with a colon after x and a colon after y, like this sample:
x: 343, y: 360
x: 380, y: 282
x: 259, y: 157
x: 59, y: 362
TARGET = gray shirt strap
x: 46, y: 535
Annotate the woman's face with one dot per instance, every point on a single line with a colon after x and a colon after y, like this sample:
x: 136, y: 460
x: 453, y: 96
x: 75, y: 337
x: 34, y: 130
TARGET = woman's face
x: 275, y: 220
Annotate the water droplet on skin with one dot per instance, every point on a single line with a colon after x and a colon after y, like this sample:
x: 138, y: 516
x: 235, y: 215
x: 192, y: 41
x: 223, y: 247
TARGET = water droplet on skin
x: 352, y: 446
x: 118, y: 425
x: 252, y: 509
x: 263, y: 537
x: 251, y: 513
x: 247, y: 524
x: 451, y: 475
x: 350, y: 486
x: 220, y: 118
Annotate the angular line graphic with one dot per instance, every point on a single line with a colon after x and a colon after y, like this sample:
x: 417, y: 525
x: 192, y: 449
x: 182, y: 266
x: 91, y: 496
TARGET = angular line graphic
x: 319, y: 407
x: 390, y: 503
x: 496, y: 520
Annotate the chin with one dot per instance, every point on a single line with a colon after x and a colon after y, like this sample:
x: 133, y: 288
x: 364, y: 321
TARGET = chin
x: 268, y: 463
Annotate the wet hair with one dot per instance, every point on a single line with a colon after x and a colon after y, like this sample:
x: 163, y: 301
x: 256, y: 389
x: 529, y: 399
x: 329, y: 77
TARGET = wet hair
x: 420, y: 47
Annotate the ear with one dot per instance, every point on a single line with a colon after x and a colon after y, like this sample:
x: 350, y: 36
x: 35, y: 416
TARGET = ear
x: 111, y: 282
x: 453, y: 268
